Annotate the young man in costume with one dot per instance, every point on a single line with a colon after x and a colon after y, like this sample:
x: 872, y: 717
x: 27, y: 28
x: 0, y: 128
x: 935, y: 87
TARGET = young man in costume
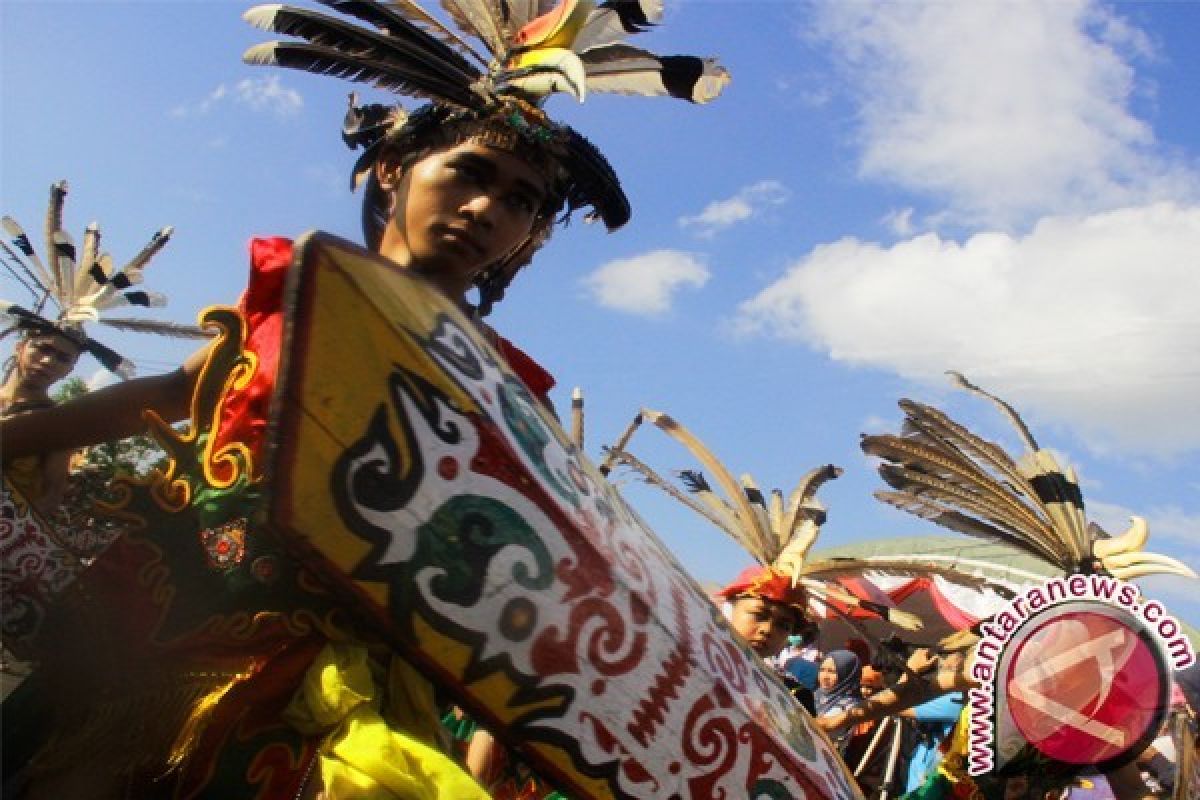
x: 48, y: 348
x: 39, y: 360
x: 937, y: 469
x: 233, y: 671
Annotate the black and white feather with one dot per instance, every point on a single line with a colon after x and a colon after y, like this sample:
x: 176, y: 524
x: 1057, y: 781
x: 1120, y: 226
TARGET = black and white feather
x: 75, y: 286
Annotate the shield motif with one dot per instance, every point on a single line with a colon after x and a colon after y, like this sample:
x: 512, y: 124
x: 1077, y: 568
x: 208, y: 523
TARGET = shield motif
x: 413, y: 470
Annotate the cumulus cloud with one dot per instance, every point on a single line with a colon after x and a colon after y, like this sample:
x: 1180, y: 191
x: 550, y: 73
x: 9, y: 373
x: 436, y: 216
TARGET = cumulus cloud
x: 1006, y: 111
x: 1091, y: 320
x: 748, y: 202
x: 645, y: 284
x: 265, y: 94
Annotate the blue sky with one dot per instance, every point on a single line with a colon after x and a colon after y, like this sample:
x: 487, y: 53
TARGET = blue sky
x: 885, y: 191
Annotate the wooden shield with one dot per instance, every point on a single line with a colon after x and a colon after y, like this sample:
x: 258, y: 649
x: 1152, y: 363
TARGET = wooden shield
x: 416, y: 473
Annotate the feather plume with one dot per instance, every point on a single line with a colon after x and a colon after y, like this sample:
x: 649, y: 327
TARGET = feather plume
x: 58, y: 196
x: 775, y: 513
x: 21, y: 241
x: 733, y: 492
x: 64, y: 259
x: 402, y: 17
x: 327, y: 61
x: 719, y: 517
x: 82, y: 288
x: 941, y: 460
x: 159, y: 328
x: 84, y: 277
x: 950, y: 494
x: 695, y: 483
x: 616, y: 19
x: 623, y: 69
x: 946, y: 474
x: 955, y: 520
x: 20, y: 269
x: 479, y: 18
x: 800, y: 507
x: 620, y: 445
x: 958, y: 379
x: 415, y: 50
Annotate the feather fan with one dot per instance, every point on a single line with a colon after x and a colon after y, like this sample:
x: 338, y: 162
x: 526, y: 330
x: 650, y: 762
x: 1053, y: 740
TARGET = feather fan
x: 941, y: 471
x: 575, y: 47
x: 775, y: 534
x: 82, y: 283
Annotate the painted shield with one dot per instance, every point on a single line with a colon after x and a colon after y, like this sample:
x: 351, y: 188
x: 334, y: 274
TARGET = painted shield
x: 417, y: 474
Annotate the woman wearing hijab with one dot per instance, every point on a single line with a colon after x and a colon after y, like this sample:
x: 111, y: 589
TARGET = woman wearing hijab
x: 838, y: 690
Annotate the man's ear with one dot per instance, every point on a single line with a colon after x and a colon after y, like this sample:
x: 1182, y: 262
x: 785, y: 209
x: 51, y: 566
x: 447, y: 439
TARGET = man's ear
x: 388, y: 170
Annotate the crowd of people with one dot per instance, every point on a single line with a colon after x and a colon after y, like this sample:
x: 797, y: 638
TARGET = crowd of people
x: 282, y: 693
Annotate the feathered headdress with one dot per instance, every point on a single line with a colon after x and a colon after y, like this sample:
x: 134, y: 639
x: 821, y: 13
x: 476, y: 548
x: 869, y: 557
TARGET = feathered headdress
x: 530, y: 50
x: 778, y: 534
x: 942, y: 472
x: 82, y: 285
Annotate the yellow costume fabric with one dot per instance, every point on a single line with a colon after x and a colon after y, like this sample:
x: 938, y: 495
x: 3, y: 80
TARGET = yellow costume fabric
x: 363, y: 757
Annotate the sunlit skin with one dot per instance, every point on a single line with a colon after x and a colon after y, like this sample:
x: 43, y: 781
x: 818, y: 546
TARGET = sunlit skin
x: 827, y: 676
x: 459, y: 210
x: 764, y: 624
x: 42, y: 360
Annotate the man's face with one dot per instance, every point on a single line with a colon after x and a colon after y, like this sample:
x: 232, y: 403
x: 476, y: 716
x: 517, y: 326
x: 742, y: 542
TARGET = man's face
x: 764, y: 624
x: 45, y: 359
x: 460, y: 209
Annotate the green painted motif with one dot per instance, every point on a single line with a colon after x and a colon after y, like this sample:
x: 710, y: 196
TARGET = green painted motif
x: 533, y: 437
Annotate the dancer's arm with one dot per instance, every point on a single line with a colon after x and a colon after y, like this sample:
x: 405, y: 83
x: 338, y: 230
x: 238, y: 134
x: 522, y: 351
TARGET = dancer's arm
x: 913, y: 689
x: 104, y: 415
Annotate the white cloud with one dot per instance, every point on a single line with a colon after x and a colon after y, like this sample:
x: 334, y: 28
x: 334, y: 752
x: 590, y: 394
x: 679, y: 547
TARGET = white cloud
x: 1006, y: 111
x: 645, y: 284
x: 266, y: 94
x: 749, y: 201
x: 1089, y: 320
x: 202, y: 107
